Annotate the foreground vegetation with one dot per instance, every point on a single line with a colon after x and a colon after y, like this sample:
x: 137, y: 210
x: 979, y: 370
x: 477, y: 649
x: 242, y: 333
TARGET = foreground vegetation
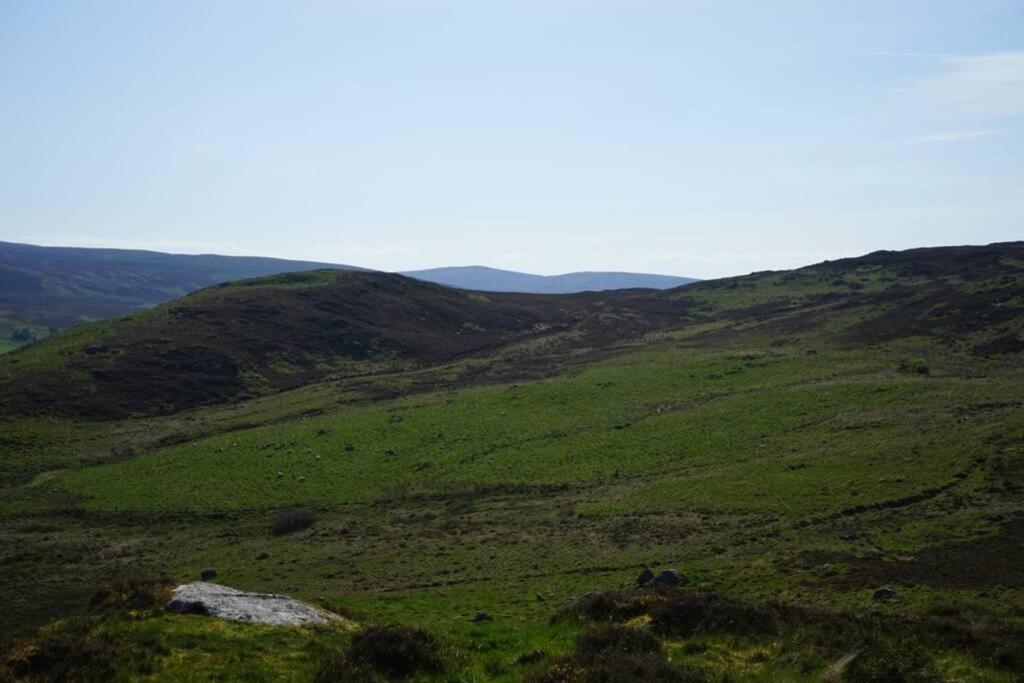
x: 830, y: 458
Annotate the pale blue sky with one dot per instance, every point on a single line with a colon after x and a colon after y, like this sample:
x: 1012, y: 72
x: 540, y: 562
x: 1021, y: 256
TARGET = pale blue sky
x: 693, y: 138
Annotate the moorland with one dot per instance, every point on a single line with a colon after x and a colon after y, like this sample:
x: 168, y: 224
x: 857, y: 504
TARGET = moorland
x: 831, y: 460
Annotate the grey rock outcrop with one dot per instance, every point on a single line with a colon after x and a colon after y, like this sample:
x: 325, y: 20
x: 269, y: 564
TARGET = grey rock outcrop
x: 229, y: 603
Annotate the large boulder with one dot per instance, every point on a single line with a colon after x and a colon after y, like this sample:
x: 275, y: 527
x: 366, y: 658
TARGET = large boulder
x: 229, y: 603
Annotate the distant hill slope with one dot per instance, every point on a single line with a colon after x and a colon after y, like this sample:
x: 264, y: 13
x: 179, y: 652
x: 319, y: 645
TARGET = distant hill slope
x: 281, y: 331
x: 265, y: 335
x: 57, y: 287
x: 45, y: 289
x: 486, y: 279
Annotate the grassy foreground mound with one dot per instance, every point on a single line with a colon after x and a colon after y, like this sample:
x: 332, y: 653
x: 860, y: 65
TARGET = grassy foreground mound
x: 832, y: 459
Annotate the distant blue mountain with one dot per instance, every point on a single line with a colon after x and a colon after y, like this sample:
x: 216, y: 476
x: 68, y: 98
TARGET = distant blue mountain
x: 495, y: 280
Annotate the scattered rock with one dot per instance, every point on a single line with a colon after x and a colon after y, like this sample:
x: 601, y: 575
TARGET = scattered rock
x: 875, y: 553
x: 646, y: 576
x: 263, y: 556
x: 482, y: 617
x: 670, y: 578
x: 301, y: 479
x: 349, y: 447
x: 208, y: 574
x: 228, y: 603
x: 848, y: 536
x: 885, y: 594
x: 540, y: 598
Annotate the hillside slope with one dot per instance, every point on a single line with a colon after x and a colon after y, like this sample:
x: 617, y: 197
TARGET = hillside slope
x: 57, y: 287
x: 264, y: 335
x: 260, y: 336
x: 830, y: 460
x: 487, y: 279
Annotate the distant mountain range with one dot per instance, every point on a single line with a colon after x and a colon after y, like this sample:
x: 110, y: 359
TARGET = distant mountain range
x: 43, y: 289
x: 494, y: 280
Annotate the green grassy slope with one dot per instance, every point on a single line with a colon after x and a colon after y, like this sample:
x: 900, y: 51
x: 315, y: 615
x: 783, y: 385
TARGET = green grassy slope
x: 800, y: 437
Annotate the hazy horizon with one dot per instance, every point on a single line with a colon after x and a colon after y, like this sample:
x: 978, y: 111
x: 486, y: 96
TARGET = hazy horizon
x: 695, y: 139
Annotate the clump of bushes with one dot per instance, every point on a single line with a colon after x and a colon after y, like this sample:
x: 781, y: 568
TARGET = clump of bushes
x: 612, y: 652
x: 74, y: 652
x: 131, y: 594
x: 892, y: 659
x: 290, y: 521
x: 388, y: 652
x: 917, y: 366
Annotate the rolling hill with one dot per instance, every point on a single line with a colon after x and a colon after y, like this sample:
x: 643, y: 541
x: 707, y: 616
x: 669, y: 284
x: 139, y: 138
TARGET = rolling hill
x: 44, y: 288
x: 487, y: 279
x: 830, y: 460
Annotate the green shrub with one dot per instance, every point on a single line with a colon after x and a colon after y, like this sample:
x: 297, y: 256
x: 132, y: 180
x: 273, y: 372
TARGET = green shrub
x: 289, y: 521
x: 917, y: 366
x: 131, y: 594
x: 391, y: 652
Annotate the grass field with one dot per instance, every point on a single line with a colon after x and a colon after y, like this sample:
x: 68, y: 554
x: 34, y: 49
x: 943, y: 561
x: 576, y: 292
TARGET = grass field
x: 767, y: 462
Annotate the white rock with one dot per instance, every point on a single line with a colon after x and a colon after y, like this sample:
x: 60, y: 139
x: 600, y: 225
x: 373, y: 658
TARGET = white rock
x: 261, y: 608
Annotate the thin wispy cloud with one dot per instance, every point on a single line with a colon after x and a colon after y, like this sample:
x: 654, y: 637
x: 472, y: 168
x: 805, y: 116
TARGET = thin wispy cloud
x: 96, y: 242
x: 984, y: 86
x: 952, y: 136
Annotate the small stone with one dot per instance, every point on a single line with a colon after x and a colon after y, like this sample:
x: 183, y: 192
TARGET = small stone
x: 301, y: 479
x: 208, y: 574
x: 540, y: 598
x: 885, y: 594
x: 848, y: 536
x: 482, y: 617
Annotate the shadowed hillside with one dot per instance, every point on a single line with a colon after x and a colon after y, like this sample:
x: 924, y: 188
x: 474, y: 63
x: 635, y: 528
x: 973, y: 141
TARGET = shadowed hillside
x: 279, y: 332
x: 49, y: 288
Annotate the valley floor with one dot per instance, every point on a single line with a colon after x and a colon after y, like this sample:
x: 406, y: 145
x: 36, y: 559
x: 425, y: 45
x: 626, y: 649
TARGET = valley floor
x: 804, y: 474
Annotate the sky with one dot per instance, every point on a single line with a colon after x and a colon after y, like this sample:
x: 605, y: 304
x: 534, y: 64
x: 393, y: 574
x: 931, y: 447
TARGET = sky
x: 684, y: 137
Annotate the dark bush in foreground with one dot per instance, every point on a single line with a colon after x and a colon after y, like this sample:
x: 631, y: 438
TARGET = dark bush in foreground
x: 891, y: 659
x: 889, y: 647
x: 131, y: 594
x: 74, y: 653
x: 618, y: 653
x: 289, y: 521
x: 388, y: 651
x: 603, y: 640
